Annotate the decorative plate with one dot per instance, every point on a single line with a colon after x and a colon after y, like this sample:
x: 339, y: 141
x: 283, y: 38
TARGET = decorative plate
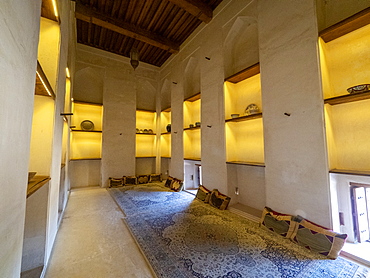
x: 87, y: 125
x: 359, y: 88
x: 252, y: 109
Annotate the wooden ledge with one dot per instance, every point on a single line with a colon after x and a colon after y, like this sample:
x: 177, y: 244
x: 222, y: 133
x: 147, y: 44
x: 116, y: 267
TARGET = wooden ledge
x: 36, y: 183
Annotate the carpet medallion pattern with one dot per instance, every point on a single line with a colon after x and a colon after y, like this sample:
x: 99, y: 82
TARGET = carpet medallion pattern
x: 182, y: 237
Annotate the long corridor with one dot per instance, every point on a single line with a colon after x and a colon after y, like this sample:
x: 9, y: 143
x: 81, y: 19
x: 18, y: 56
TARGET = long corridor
x: 93, y: 240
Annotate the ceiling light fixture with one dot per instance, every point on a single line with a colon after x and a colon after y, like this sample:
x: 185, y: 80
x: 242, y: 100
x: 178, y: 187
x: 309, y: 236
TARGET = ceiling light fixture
x: 134, y: 57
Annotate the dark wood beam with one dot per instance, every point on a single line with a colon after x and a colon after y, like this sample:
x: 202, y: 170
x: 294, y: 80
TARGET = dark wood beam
x: 86, y: 14
x: 197, y: 8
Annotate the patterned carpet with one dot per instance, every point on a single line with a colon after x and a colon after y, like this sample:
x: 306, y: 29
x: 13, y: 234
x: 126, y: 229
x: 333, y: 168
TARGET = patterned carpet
x: 183, y: 237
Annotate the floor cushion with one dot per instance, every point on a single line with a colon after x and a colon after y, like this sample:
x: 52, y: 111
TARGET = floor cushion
x: 219, y: 200
x: 203, y: 194
x: 282, y: 224
x: 319, y: 239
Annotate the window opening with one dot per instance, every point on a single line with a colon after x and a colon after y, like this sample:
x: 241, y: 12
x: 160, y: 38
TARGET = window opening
x: 360, y: 201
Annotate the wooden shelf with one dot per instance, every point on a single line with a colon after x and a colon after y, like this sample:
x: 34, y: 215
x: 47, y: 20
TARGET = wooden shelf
x: 191, y: 128
x: 257, y: 164
x: 350, y: 172
x: 346, y: 26
x: 244, y: 74
x: 245, y: 118
x: 146, y: 156
x: 36, y: 183
x: 93, y: 158
x: 348, y: 98
x: 89, y: 103
x: 164, y: 133
x: 47, y: 10
x: 166, y: 109
x: 145, y: 110
x: 193, y: 98
x: 192, y: 158
x: 80, y: 130
x: 145, y: 133
x: 42, y: 85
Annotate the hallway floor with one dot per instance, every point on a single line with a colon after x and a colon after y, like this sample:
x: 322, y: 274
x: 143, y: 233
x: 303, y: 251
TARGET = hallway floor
x: 93, y: 240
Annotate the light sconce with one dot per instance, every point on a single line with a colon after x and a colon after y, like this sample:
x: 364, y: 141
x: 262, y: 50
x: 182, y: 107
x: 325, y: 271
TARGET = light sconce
x: 134, y: 57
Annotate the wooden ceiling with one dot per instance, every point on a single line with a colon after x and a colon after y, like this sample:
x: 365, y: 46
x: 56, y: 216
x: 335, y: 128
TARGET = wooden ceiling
x: 156, y: 28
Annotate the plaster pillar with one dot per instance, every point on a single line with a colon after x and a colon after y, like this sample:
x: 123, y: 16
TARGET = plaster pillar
x: 213, y: 148
x: 119, y: 131
x: 295, y: 150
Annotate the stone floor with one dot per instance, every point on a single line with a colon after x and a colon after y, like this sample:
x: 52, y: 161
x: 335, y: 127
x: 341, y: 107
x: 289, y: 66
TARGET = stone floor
x: 93, y: 240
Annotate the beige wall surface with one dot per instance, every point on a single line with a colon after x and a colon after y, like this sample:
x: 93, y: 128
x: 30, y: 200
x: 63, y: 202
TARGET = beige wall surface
x: 295, y: 150
x: 19, y: 31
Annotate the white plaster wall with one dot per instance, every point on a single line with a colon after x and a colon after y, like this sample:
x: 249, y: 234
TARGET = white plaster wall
x: 145, y: 166
x: 240, y: 45
x: 295, y: 153
x: 19, y: 28
x: 119, y: 128
x: 85, y: 173
x: 123, y: 91
x: 42, y: 134
x: 207, y: 41
x: 250, y: 181
x: 177, y: 149
x: 333, y: 11
x: 33, y: 254
x: 53, y: 204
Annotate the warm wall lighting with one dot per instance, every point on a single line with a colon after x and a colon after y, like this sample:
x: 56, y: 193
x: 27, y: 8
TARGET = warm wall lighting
x: 134, y: 57
x: 68, y: 73
x: 43, y: 83
x: 55, y: 8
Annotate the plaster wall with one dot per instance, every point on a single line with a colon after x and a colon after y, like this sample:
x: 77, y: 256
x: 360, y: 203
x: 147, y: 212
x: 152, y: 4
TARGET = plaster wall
x: 118, y: 148
x: 19, y: 31
x: 56, y: 161
x: 208, y: 42
x: 85, y: 173
x: 121, y: 90
x: 295, y: 152
x: 246, y: 185
x: 33, y: 254
x: 48, y: 50
x: 333, y: 11
x: 42, y: 134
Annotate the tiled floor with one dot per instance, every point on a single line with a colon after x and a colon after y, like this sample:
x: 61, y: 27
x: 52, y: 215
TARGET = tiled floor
x: 93, y: 240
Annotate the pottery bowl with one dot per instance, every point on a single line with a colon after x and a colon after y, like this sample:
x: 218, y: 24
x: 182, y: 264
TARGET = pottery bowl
x: 235, y: 116
x: 359, y: 88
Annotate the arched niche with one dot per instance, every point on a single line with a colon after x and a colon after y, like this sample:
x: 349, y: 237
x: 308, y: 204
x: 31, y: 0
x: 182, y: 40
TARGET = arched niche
x: 241, y: 48
x: 88, y: 85
x: 166, y: 94
x: 191, y: 78
x: 146, y: 95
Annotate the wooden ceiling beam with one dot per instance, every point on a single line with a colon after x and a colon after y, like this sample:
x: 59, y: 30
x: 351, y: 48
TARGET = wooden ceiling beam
x: 197, y: 8
x: 88, y: 15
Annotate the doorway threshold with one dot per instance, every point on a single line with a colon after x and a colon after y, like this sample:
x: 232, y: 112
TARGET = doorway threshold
x: 358, y: 252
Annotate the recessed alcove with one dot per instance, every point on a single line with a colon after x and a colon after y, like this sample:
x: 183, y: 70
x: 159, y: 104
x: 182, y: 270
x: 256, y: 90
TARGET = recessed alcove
x: 240, y: 44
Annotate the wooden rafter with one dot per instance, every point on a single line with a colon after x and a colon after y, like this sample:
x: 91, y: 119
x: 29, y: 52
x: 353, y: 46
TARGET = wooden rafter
x: 196, y: 8
x: 88, y: 15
